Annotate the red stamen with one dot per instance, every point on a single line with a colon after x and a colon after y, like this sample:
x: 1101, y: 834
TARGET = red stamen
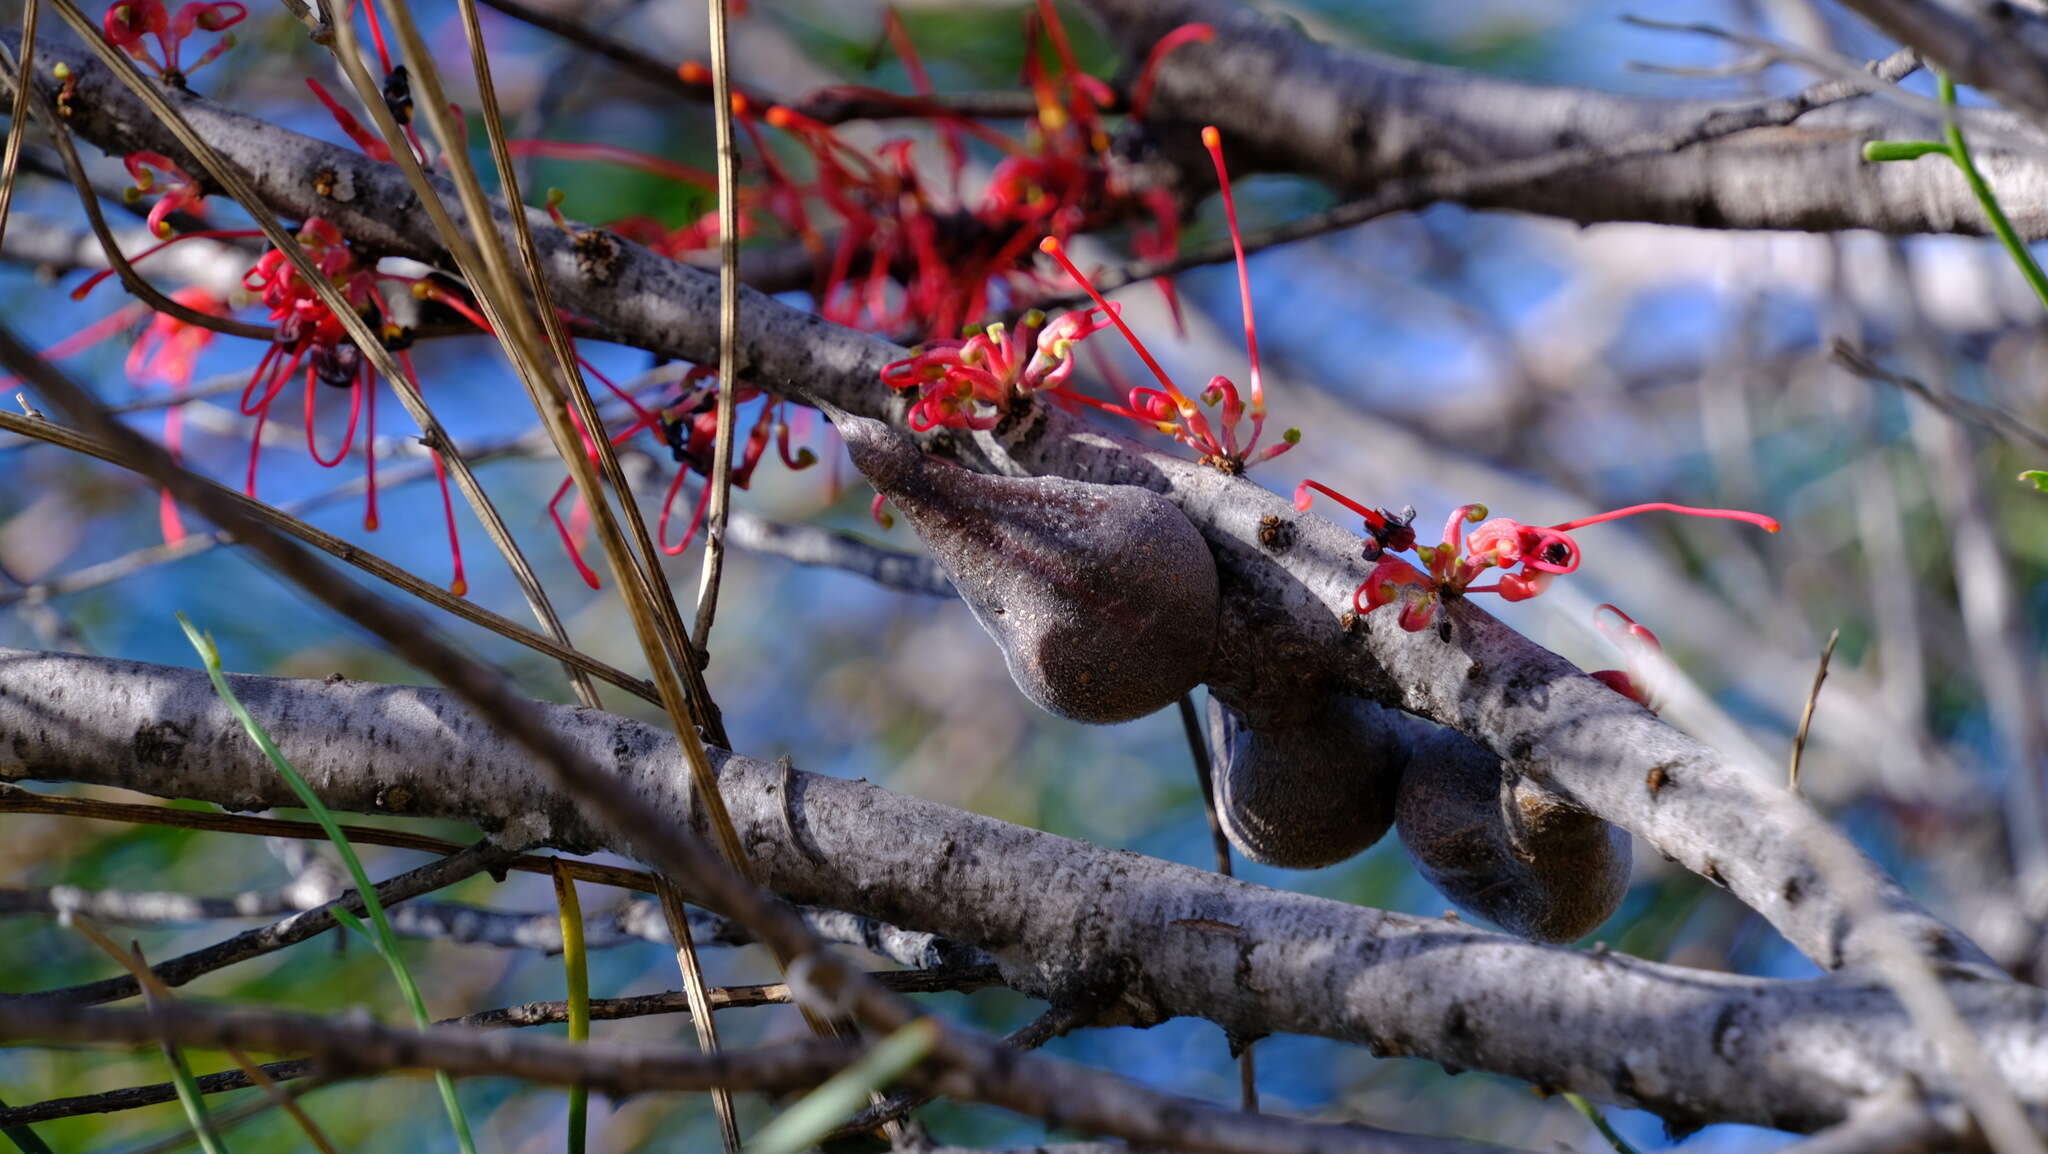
x: 355, y: 415
x: 1057, y: 33
x: 352, y: 128
x: 368, y: 384
x: 92, y: 334
x: 1213, y: 141
x: 921, y: 82
x: 583, y: 570
x: 377, y: 35
x: 1141, y: 94
x: 459, y: 584
x: 1052, y: 248
x: 1302, y: 500
x: 88, y: 284
x: 613, y: 154
x: 1768, y: 524
x: 696, y: 514
x: 168, y: 520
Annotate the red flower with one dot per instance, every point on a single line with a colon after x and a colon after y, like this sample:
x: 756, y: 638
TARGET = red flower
x: 968, y: 384
x: 1528, y: 557
x: 1167, y: 408
x: 128, y: 22
x: 182, y: 194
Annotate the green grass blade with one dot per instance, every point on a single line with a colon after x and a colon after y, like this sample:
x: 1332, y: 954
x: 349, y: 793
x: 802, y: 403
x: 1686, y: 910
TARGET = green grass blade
x: 1600, y: 1123
x: 385, y: 942
x: 815, y: 1115
x: 195, y: 1105
x: 576, y: 972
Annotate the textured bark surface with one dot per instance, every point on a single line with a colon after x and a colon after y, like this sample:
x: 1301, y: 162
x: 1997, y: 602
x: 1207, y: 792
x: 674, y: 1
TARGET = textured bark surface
x: 1061, y: 916
x: 1355, y: 119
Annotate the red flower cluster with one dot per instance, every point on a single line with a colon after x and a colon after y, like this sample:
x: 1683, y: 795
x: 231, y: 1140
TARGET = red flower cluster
x: 306, y: 335
x: 968, y: 384
x: 309, y: 334
x: 895, y: 254
x: 1528, y: 557
x: 1169, y: 410
x: 182, y: 194
x: 128, y: 22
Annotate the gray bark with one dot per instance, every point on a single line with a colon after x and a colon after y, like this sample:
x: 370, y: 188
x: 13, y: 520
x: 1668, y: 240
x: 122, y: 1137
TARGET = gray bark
x: 1356, y: 119
x: 1061, y: 917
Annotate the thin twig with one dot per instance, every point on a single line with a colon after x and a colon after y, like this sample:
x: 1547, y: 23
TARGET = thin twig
x: 14, y: 799
x: 1987, y: 417
x: 355, y: 555
x: 234, y: 1116
x: 255, y: 943
x: 1820, y: 675
x: 829, y: 106
x: 1198, y: 752
x: 817, y: 545
x: 364, y: 1045
x: 728, y: 324
x: 133, y: 961
x: 964, y: 980
x: 1056, y: 1021
x: 17, y: 123
x: 1474, y: 185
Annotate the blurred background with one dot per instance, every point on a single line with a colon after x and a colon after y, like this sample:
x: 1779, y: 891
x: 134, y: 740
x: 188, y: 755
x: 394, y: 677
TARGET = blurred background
x: 1433, y: 359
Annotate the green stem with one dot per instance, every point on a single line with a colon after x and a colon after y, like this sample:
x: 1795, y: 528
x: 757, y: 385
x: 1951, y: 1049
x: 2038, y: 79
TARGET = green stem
x: 1600, y: 1123
x: 804, y: 1124
x: 195, y: 1106
x: 384, y: 940
x: 576, y: 970
x: 1959, y: 152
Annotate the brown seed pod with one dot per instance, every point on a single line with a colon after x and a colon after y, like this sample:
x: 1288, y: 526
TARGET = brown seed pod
x: 1506, y: 849
x: 1305, y: 795
x: 1102, y: 597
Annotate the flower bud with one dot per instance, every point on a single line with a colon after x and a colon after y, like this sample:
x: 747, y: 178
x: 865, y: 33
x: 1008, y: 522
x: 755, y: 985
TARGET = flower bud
x: 1306, y: 795
x: 1102, y: 597
x: 1505, y: 848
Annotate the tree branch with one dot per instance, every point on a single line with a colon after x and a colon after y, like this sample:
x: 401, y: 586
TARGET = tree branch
x: 1357, y: 119
x: 527, y: 1014
x: 361, y: 1046
x: 1062, y: 917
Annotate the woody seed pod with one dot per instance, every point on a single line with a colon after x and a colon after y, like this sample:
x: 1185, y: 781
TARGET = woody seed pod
x: 1306, y: 795
x: 1505, y: 848
x: 1102, y: 597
